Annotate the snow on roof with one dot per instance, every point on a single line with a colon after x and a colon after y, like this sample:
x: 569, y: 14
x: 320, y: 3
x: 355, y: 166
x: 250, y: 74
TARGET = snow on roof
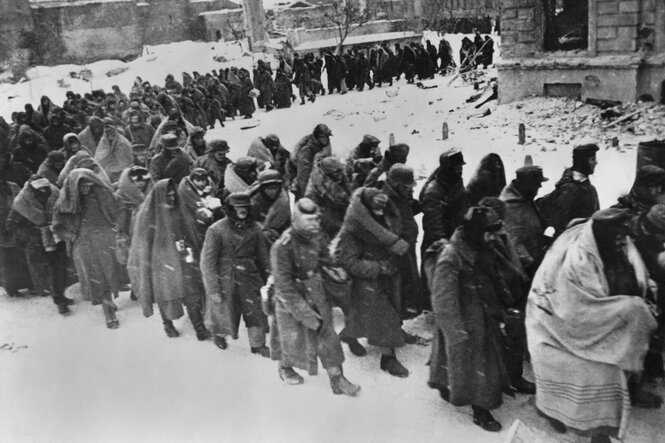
x: 220, y: 12
x: 356, y: 39
x: 61, y: 3
x: 300, y: 4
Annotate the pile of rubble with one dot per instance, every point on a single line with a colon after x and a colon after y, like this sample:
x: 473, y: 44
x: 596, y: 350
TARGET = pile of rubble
x: 564, y: 121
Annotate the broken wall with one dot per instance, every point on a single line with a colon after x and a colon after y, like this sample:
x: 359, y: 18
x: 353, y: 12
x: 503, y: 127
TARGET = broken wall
x: 82, y: 31
x: 229, y: 23
x: 308, y: 17
x: 623, y: 56
x: 88, y: 31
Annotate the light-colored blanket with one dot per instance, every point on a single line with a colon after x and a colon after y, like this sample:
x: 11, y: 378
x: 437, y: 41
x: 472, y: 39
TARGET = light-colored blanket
x: 582, y: 340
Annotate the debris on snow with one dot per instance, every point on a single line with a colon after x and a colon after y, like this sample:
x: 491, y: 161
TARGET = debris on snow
x: 116, y: 71
x: 84, y: 74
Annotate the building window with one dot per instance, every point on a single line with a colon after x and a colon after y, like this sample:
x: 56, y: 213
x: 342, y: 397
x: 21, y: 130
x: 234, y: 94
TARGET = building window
x: 566, y: 24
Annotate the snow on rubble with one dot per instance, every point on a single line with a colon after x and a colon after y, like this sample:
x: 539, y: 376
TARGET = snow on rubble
x: 70, y: 379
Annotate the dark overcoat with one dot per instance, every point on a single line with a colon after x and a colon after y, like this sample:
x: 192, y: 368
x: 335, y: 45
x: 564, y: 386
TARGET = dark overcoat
x: 524, y: 225
x: 573, y: 197
x: 234, y: 264
x: 360, y: 246
x: 467, y: 353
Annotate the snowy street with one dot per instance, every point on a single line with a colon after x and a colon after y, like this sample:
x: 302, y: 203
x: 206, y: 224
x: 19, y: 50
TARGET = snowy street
x: 70, y: 379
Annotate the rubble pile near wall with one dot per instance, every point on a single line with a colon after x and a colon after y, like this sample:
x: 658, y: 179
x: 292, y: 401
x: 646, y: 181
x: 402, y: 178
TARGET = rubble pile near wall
x: 552, y: 122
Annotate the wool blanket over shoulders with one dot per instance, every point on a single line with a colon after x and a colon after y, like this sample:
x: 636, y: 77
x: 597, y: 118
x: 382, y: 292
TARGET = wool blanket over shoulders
x: 155, y: 268
x: 114, y: 156
x: 582, y: 340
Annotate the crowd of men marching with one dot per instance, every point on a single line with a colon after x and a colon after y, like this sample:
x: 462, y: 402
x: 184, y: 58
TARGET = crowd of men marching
x: 118, y: 202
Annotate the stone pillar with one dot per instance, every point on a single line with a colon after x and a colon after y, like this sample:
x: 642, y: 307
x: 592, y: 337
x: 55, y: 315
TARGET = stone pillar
x: 660, y: 27
x: 254, y: 23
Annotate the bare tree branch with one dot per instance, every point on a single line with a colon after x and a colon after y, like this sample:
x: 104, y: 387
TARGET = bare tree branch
x: 346, y: 16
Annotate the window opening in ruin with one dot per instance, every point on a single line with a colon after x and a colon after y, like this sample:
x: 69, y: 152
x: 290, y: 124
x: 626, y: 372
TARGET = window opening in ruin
x: 566, y: 24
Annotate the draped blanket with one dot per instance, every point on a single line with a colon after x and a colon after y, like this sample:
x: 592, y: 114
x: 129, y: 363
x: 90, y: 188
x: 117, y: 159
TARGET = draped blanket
x: 327, y: 191
x: 114, y: 156
x: 581, y: 340
x: 69, y: 200
x: 28, y: 206
x: 260, y: 151
x: 156, y: 270
x: 45, y: 170
x: 87, y: 222
x: 80, y: 160
x: 360, y: 222
x: 127, y: 192
x: 233, y: 182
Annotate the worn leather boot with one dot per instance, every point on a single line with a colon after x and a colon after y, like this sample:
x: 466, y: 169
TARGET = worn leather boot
x: 63, y: 308
x: 290, y: 376
x: 109, y: 309
x: 62, y: 303
x: 354, y: 346
x: 170, y: 329
x: 393, y: 367
x: 220, y: 342
x: 340, y: 385
x: 524, y: 387
x: 194, y: 313
x: 483, y: 418
x: 263, y: 351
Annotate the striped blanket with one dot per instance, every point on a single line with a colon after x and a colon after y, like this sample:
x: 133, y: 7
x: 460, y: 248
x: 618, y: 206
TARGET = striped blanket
x: 582, y: 341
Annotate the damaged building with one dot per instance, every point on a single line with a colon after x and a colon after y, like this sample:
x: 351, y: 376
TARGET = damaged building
x: 586, y: 49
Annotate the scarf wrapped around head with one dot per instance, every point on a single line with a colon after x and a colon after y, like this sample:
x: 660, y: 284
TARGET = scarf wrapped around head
x: 69, y: 201
x: 27, y: 204
x: 127, y: 191
x: 191, y: 198
x: 77, y: 161
x: 325, y: 187
x: 360, y: 222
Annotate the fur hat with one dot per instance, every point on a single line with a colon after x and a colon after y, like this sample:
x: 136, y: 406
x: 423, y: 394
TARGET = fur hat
x: 245, y: 164
x: 218, y: 146
x: 401, y: 174
x: 270, y: 177
x: 330, y: 165
x: 482, y: 218
x: 170, y: 141
x: 321, y: 129
x: 240, y: 199
x: 371, y: 140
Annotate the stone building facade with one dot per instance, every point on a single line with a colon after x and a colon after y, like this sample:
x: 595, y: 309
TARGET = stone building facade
x: 59, y: 31
x: 597, y: 49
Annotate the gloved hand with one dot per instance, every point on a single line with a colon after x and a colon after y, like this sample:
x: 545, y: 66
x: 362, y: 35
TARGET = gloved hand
x: 216, y: 297
x: 314, y: 324
x: 399, y: 248
x: 267, y: 294
x: 386, y: 268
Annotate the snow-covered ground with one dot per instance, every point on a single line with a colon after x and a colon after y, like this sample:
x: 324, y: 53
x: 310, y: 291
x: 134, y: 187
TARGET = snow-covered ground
x: 70, y: 379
